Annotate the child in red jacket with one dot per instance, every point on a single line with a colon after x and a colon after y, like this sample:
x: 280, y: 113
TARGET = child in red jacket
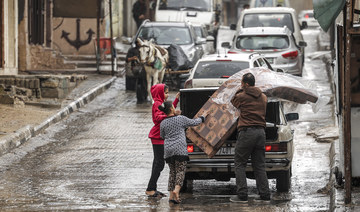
x: 159, y: 93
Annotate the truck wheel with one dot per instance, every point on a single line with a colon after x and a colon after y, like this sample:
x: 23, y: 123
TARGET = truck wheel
x: 130, y: 83
x: 283, y: 181
x: 187, y: 185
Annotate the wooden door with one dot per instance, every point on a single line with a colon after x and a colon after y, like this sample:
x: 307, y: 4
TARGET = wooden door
x: 36, y: 21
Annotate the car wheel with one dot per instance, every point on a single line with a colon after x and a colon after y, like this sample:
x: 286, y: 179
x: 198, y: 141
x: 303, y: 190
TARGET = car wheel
x: 130, y: 83
x: 187, y: 185
x: 283, y: 181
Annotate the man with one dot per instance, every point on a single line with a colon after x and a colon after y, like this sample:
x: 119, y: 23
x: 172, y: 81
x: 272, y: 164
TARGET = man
x: 250, y: 139
x: 139, y: 11
x: 133, y: 64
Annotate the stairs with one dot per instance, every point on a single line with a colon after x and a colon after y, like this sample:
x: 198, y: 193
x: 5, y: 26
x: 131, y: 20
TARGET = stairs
x: 86, y: 64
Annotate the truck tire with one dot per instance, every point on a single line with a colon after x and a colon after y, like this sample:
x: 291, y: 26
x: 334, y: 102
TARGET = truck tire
x: 130, y: 83
x: 283, y: 181
x: 187, y: 185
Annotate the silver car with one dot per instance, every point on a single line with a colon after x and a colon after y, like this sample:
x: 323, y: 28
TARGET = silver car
x: 275, y: 43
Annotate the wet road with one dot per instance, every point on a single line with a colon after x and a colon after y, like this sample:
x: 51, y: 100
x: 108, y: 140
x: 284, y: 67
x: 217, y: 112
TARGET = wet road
x: 100, y: 158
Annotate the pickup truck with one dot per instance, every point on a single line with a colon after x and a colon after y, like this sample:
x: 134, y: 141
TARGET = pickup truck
x: 279, y: 145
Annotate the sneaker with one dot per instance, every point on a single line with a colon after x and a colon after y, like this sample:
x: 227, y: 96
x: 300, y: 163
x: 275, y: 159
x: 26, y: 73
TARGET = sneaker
x: 263, y: 199
x: 239, y: 199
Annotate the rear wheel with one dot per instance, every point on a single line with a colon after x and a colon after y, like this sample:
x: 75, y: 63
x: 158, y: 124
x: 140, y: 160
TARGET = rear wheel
x: 187, y: 185
x: 283, y: 181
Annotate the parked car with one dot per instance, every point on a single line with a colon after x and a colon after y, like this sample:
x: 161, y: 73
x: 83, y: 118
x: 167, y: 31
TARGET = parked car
x: 269, y: 3
x: 200, y: 30
x: 166, y: 33
x: 276, y: 44
x: 271, y: 17
x: 306, y: 17
x: 213, y: 70
x: 279, y: 145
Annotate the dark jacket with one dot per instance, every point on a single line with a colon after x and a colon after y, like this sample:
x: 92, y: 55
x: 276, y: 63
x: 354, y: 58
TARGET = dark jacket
x: 157, y: 93
x: 138, y: 9
x: 252, y: 105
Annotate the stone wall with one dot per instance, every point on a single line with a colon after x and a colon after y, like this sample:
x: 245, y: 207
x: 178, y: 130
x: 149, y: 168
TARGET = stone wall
x: 38, y: 86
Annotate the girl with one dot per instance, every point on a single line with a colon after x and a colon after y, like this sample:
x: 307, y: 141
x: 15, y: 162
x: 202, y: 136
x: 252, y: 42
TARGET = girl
x: 159, y: 93
x: 172, y: 130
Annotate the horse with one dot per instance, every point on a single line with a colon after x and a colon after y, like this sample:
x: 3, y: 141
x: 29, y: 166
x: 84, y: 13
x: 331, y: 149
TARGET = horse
x: 155, y: 60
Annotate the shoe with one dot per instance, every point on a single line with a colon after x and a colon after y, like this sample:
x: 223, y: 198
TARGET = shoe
x: 157, y: 194
x: 262, y: 199
x: 239, y: 199
x: 174, y: 201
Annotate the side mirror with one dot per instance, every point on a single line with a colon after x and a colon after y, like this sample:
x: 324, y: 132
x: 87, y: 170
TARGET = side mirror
x: 233, y: 26
x: 292, y: 116
x: 304, y: 25
x: 302, y: 44
x: 200, y: 41
x: 225, y: 45
x: 210, y: 38
x: 280, y: 70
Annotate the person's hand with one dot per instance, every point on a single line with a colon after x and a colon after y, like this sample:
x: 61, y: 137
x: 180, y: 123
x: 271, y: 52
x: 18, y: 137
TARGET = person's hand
x: 177, y: 112
x: 141, y: 17
x: 177, y: 95
x: 206, y: 113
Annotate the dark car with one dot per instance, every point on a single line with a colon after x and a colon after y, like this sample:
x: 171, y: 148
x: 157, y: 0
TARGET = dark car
x: 166, y: 33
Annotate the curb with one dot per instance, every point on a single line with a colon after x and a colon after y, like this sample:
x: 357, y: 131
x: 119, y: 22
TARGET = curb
x: 24, y: 134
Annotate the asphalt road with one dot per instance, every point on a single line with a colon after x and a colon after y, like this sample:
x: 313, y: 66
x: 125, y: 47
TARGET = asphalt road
x: 100, y: 158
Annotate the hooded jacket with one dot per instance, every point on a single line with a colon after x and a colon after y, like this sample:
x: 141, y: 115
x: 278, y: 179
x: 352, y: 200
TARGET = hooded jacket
x: 252, y: 105
x: 158, y: 95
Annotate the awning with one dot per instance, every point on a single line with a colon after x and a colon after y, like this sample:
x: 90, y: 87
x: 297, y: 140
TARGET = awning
x: 326, y: 11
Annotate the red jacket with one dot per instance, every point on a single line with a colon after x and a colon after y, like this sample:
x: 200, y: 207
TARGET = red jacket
x: 157, y: 93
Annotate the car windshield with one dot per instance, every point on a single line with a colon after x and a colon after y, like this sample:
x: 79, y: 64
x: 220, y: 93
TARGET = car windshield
x: 219, y: 69
x: 270, y: 3
x: 262, y: 42
x: 166, y: 35
x: 188, y: 5
x: 268, y: 20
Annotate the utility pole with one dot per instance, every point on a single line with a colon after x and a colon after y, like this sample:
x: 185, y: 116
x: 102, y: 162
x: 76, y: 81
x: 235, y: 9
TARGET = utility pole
x: 111, y: 41
x: 98, y: 11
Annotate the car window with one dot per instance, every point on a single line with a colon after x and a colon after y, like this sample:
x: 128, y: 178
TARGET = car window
x: 197, y: 5
x: 261, y: 62
x: 268, y: 65
x: 256, y: 64
x: 219, y: 69
x: 199, y: 32
x: 166, y: 35
x: 268, y: 20
x: 262, y: 42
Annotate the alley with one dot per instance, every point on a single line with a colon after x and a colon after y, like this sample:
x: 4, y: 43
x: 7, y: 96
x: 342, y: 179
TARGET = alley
x: 100, y: 158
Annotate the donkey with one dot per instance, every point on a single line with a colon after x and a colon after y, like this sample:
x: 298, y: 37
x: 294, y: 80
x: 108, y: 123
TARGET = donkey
x: 155, y: 59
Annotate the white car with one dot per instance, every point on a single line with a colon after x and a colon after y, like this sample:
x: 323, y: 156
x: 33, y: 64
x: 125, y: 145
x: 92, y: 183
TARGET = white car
x: 200, y: 31
x: 213, y: 70
x: 271, y: 17
x: 276, y: 44
x: 306, y: 17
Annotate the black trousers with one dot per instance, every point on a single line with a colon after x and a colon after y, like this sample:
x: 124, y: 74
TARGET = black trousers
x: 157, y: 166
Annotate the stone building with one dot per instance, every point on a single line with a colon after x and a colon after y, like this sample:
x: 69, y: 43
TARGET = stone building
x: 8, y: 37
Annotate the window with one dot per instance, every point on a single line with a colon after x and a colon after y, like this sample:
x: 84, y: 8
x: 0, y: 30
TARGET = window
x: 219, y: 69
x: 261, y: 42
x: 166, y: 35
x: 268, y: 20
x: 187, y: 5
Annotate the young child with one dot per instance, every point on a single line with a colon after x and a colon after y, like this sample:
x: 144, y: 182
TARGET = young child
x: 160, y: 93
x: 172, y: 130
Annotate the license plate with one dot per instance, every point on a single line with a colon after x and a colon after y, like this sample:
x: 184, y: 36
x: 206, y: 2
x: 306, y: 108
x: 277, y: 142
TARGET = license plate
x: 226, y: 151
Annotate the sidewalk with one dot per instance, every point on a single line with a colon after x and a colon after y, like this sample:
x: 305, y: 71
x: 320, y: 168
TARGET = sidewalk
x: 29, y: 121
